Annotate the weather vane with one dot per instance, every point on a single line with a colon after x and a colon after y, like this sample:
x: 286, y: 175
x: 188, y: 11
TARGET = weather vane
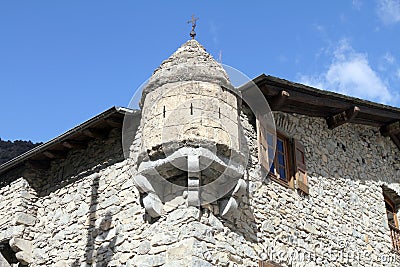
x: 193, y: 21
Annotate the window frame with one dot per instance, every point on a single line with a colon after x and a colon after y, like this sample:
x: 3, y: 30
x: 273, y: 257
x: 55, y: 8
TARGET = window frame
x: 293, y: 169
x: 262, y: 263
x: 288, y: 181
x: 263, y: 141
x: 390, y: 203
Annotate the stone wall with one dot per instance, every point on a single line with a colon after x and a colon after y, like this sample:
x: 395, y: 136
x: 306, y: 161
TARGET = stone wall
x: 89, y: 210
x: 343, y: 220
x: 16, y: 209
x: 190, y: 111
x: 17, y: 215
x: 88, y: 198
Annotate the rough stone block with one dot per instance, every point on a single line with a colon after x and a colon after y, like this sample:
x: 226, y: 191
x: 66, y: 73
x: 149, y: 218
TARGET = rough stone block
x: 149, y: 260
x: 61, y: 263
x: 19, y: 244
x: 200, y: 263
x: 143, y: 184
x: 174, y: 203
x: 153, y: 205
x: 26, y: 219
x: 182, y: 251
x: 24, y: 257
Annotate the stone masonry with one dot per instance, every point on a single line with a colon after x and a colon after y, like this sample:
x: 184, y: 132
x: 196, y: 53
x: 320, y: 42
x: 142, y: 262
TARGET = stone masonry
x: 86, y: 210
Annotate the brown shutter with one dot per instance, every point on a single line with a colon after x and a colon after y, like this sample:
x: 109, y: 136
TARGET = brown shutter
x: 300, y: 166
x: 262, y: 145
x: 267, y: 264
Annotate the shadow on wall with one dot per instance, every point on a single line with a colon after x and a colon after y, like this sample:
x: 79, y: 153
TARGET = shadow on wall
x: 243, y: 221
x: 80, y: 163
x: 101, y: 237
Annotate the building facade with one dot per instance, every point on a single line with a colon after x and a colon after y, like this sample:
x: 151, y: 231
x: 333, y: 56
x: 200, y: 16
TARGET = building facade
x: 200, y: 176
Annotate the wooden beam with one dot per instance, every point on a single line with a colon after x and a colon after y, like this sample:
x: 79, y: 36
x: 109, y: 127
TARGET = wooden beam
x: 38, y: 164
x: 55, y: 154
x: 71, y: 144
x: 395, y: 140
x: 390, y: 129
x: 95, y: 133
x: 114, y: 122
x: 277, y: 101
x: 320, y: 99
x: 303, y: 97
x: 342, y: 117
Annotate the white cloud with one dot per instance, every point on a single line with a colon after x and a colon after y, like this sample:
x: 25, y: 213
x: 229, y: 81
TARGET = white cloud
x: 389, y: 11
x: 351, y: 74
x: 389, y: 58
x: 386, y: 62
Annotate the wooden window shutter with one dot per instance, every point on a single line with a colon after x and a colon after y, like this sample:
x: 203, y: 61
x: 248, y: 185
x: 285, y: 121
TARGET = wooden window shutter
x: 300, y: 167
x: 262, y: 144
x: 391, y: 211
x: 268, y: 264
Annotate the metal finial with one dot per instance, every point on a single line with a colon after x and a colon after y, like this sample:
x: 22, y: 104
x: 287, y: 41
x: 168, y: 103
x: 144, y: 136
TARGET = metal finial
x: 193, y: 21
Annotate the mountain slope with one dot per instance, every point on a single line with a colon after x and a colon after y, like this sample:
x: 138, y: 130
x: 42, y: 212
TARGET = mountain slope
x: 9, y: 150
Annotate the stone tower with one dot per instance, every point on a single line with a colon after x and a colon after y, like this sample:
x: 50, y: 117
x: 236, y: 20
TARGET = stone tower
x: 190, y: 134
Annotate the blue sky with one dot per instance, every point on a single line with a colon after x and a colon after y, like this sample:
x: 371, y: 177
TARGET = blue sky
x: 63, y: 62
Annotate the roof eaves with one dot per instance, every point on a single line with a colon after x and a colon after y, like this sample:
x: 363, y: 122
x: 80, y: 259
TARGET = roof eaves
x: 43, y: 147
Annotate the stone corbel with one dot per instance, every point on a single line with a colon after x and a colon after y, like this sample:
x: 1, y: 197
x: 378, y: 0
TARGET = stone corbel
x: 151, y: 202
x: 143, y: 184
x: 154, y: 186
x: 229, y: 207
x: 240, y: 188
x: 153, y: 205
x: 194, y: 176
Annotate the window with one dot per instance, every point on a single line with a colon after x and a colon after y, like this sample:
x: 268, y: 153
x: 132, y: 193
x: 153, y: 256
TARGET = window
x: 267, y: 264
x: 392, y: 201
x: 288, y: 163
x: 391, y: 212
x: 280, y: 167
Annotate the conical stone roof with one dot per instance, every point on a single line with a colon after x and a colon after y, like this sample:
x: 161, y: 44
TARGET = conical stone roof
x: 190, y: 62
